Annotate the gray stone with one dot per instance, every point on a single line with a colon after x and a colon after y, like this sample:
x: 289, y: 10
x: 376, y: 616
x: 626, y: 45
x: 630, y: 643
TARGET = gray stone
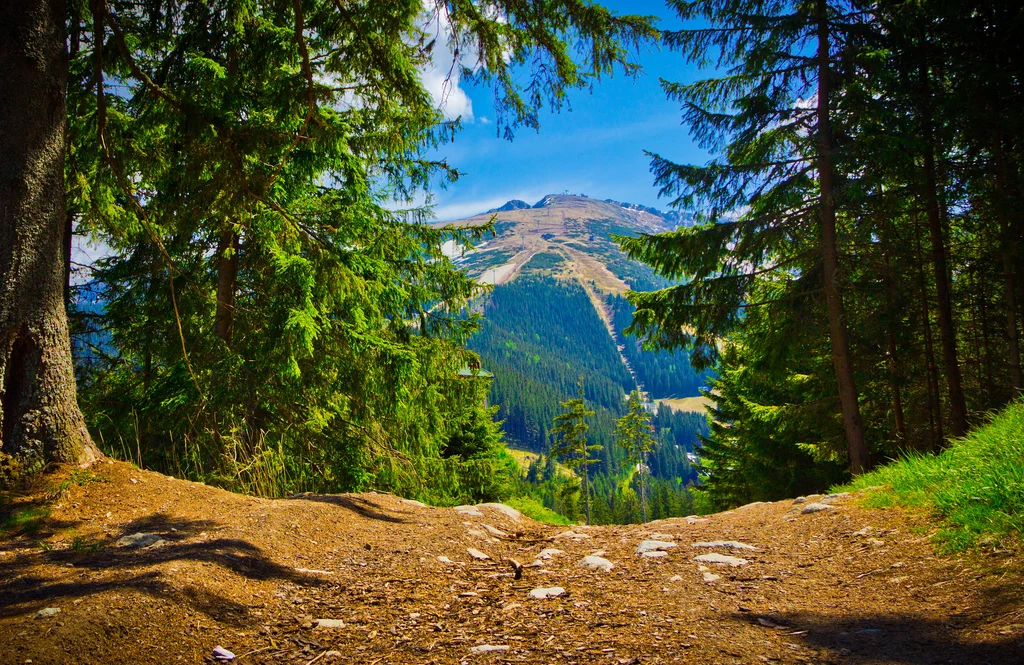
x: 653, y: 546
x: 413, y: 502
x: 654, y: 554
x: 726, y: 544
x: 711, y: 577
x: 47, y: 612
x: 721, y: 560
x: 140, y: 540
x: 488, y: 648
x: 498, y: 533
x: 572, y: 535
x: 220, y: 653
x: 477, y: 554
x: 330, y: 623
x: 596, y: 563
x: 800, y: 499
x: 815, y: 508
x: 472, y: 511
x: 507, y: 511
x: 542, y: 593
x: 661, y: 536
x: 548, y: 552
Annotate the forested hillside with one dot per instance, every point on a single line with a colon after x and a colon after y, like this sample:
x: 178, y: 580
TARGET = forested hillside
x: 538, y: 336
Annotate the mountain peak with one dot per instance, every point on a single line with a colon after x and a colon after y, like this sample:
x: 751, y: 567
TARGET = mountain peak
x: 509, y: 206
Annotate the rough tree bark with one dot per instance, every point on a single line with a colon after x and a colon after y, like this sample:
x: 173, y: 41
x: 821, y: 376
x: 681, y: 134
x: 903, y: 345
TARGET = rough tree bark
x: 841, y: 359
x: 39, y: 419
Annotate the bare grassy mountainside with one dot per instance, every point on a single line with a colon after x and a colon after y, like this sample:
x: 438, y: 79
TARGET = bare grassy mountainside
x: 576, y: 231
x: 129, y: 566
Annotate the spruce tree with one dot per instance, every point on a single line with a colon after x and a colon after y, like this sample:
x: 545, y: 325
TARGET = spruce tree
x: 570, y: 445
x: 635, y: 434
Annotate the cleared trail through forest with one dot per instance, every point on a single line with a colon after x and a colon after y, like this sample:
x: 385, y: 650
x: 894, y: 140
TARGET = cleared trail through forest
x: 142, y: 568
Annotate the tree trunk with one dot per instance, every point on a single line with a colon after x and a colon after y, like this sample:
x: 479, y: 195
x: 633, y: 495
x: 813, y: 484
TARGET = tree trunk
x: 934, y: 399
x: 1009, y: 285
x: 586, y: 483
x: 39, y: 418
x: 227, y: 277
x: 643, y: 490
x: 841, y: 359
x: 947, y: 331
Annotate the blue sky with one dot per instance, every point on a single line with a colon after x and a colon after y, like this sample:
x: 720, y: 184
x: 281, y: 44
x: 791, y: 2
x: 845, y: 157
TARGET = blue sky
x: 594, y: 149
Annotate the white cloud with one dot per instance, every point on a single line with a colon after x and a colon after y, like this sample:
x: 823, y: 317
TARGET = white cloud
x: 441, y: 77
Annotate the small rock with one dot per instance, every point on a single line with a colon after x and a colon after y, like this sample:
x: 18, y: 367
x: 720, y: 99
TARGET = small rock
x: 661, y: 536
x: 548, y: 552
x: 47, y: 612
x: 477, y: 554
x: 840, y: 495
x: 676, y: 578
x: 572, y: 535
x: 654, y: 554
x: 488, y: 648
x: 542, y: 593
x: 815, y: 508
x: 727, y: 544
x: 498, y: 533
x: 413, y: 502
x: 444, y: 559
x: 596, y: 563
x: 721, y: 560
x: 875, y: 542
x: 711, y: 577
x: 693, y: 519
x: 220, y: 653
x: 751, y: 505
x: 330, y: 623
x: 507, y: 511
x: 140, y: 540
x: 472, y: 511
x: 800, y: 499
x: 653, y: 545
x: 866, y: 531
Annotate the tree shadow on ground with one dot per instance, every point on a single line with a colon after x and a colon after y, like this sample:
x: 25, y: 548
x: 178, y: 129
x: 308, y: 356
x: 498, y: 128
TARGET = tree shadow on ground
x: 356, y: 504
x: 104, y: 566
x: 907, y: 639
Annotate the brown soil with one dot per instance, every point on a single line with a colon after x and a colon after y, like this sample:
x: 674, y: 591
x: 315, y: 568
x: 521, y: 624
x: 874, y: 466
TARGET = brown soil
x: 254, y: 575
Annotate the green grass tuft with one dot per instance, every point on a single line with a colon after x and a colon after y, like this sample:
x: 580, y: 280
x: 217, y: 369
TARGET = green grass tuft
x: 976, y: 486
x: 28, y: 521
x: 536, y: 510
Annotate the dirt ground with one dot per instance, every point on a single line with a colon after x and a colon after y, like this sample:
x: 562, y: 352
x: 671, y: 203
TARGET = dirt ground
x: 255, y: 577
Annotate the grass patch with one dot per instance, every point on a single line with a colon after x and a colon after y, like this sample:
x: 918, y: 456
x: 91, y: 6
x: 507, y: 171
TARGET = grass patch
x: 536, y: 510
x: 975, y: 487
x: 23, y: 521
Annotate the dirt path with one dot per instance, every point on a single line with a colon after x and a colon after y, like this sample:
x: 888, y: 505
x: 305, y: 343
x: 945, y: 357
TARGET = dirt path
x: 254, y: 576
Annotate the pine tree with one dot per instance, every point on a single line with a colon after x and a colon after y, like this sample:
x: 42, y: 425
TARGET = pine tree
x: 635, y: 434
x: 570, y: 445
